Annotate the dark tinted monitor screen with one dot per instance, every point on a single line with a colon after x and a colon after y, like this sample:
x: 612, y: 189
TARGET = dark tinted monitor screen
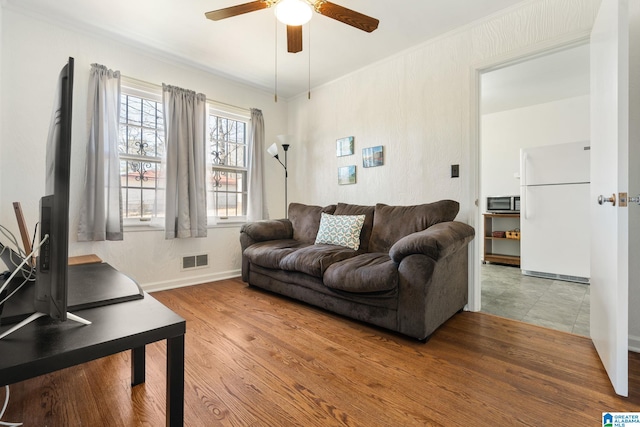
x: 51, y: 278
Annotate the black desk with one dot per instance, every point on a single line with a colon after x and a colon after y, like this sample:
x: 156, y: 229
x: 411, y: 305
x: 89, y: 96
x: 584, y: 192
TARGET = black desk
x: 46, y: 346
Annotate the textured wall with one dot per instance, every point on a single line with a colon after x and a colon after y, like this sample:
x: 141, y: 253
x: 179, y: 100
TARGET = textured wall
x: 506, y: 132
x: 421, y: 105
x: 33, y: 51
x: 418, y: 105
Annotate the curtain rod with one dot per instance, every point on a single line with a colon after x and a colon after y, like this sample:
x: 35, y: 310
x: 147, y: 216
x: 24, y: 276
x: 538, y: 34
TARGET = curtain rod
x: 157, y: 86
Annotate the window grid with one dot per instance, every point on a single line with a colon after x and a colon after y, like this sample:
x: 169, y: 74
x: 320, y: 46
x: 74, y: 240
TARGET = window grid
x: 227, y: 171
x: 141, y: 147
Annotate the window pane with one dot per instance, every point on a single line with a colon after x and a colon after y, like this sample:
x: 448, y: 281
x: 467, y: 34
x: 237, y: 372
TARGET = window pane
x: 149, y: 207
x: 218, y: 153
x: 226, y: 192
x: 151, y: 113
x: 141, y: 134
x: 134, y: 110
x: 231, y: 182
x: 227, y: 196
x: 152, y: 144
x: 240, y: 132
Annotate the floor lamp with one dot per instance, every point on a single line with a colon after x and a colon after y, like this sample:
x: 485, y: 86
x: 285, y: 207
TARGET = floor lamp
x: 273, y: 150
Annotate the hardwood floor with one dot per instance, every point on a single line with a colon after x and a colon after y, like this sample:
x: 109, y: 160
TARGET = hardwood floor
x: 258, y: 359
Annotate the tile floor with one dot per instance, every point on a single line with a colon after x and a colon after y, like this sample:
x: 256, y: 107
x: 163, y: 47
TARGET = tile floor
x: 554, y: 304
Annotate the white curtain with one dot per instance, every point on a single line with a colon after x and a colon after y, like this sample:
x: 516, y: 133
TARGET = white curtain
x: 257, y: 206
x: 185, y: 131
x: 101, y: 208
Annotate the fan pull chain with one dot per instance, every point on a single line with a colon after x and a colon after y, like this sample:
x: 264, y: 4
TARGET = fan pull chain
x: 309, y: 65
x: 276, y: 60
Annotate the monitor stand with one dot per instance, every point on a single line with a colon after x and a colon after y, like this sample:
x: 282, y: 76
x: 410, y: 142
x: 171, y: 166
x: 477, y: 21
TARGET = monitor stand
x: 37, y: 315
x: 90, y: 285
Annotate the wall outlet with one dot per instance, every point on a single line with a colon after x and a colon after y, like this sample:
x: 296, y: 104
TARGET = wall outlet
x: 455, y: 171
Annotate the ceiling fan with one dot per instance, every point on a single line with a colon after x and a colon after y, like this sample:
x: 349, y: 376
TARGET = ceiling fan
x: 294, y: 28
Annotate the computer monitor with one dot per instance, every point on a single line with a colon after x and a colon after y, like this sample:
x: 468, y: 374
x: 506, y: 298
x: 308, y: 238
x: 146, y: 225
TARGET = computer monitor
x: 50, y: 298
x: 52, y: 266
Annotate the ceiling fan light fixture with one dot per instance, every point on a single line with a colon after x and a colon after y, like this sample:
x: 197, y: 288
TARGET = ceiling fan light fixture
x: 293, y: 12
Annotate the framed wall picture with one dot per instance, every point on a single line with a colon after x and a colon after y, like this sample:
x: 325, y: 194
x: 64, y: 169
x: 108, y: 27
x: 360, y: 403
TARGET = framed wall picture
x: 347, y: 175
x: 373, y: 156
x: 345, y: 146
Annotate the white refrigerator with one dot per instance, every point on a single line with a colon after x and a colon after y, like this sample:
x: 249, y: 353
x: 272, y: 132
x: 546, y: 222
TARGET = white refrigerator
x: 554, y: 211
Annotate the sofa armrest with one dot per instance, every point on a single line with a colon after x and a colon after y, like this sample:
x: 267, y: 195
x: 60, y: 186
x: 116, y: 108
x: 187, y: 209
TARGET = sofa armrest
x: 436, y: 242
x: 261, y: 231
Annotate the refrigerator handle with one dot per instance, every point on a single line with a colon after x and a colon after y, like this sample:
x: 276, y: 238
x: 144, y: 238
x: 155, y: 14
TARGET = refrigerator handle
x: 523, y: 185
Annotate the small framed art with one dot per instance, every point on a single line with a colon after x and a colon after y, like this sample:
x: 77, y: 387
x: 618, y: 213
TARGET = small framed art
x: 345, y: 146
x: 373, y: 156
x: 347, y: 175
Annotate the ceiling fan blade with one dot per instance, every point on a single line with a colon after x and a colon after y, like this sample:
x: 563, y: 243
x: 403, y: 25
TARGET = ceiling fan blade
x: 294, y: 38
x: 228, y: 12
x: 348, y: 16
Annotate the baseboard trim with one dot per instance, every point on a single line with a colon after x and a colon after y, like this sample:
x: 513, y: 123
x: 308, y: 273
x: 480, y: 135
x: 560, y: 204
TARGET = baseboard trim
x: 193, y: 280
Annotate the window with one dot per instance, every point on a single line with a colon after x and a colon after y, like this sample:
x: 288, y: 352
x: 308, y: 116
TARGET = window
x: 142, y: 149
x: 227, y: 168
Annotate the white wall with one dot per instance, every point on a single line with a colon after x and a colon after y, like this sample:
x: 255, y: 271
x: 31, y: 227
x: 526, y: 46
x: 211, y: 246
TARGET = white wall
x: 418, y: 105
x: 33, y: 51
x: 422, y: 106
x: 504, y: 133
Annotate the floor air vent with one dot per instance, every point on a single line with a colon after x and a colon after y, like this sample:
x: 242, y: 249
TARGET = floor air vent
x: 195, y: 261
x: 583, y: 280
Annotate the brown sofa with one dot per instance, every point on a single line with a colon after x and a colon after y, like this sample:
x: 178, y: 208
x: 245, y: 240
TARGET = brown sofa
x: 408, y: 274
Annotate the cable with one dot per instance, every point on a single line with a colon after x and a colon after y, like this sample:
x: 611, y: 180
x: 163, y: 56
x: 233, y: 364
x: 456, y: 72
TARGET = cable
x: 4, y: 408
x: 14, y: 291
x: 12, y: 238
x: 276, y: 62
x: 27, y: 273
x: 24, y: 261
x: 35, y: 231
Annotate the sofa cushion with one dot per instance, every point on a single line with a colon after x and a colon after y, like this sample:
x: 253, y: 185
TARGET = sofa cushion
x: 341, y: 230
x: 275, y: 229
x: 392, y: 223
x: 370, y: 272
x: 305, y: 220
x: 315, y: 259
x: 367, y: 211
x: 269, y: 254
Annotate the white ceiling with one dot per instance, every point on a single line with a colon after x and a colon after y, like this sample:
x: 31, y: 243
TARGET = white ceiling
x: 546, y: 78
x: 243, y: 47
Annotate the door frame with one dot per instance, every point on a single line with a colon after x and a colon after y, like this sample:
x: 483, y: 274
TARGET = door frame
x: 476, y: 71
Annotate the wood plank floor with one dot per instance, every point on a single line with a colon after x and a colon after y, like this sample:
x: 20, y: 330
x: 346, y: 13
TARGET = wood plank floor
x: 257, y: 359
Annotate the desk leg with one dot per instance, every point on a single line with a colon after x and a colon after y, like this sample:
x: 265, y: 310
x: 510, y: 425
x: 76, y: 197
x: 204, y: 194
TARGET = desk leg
x: 175, y: 381
x: 137, y: 365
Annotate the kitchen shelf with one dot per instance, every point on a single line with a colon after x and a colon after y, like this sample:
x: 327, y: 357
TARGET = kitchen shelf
x: 490, y: 255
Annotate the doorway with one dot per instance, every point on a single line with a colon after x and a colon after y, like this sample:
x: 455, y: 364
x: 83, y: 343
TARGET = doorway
x: 535, y: 101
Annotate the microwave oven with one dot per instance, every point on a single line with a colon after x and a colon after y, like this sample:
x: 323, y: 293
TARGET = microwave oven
x: 503, y: 204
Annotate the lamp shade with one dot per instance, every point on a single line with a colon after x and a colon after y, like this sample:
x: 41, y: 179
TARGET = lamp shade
x: 293, y: 12
x: 273, y: 150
